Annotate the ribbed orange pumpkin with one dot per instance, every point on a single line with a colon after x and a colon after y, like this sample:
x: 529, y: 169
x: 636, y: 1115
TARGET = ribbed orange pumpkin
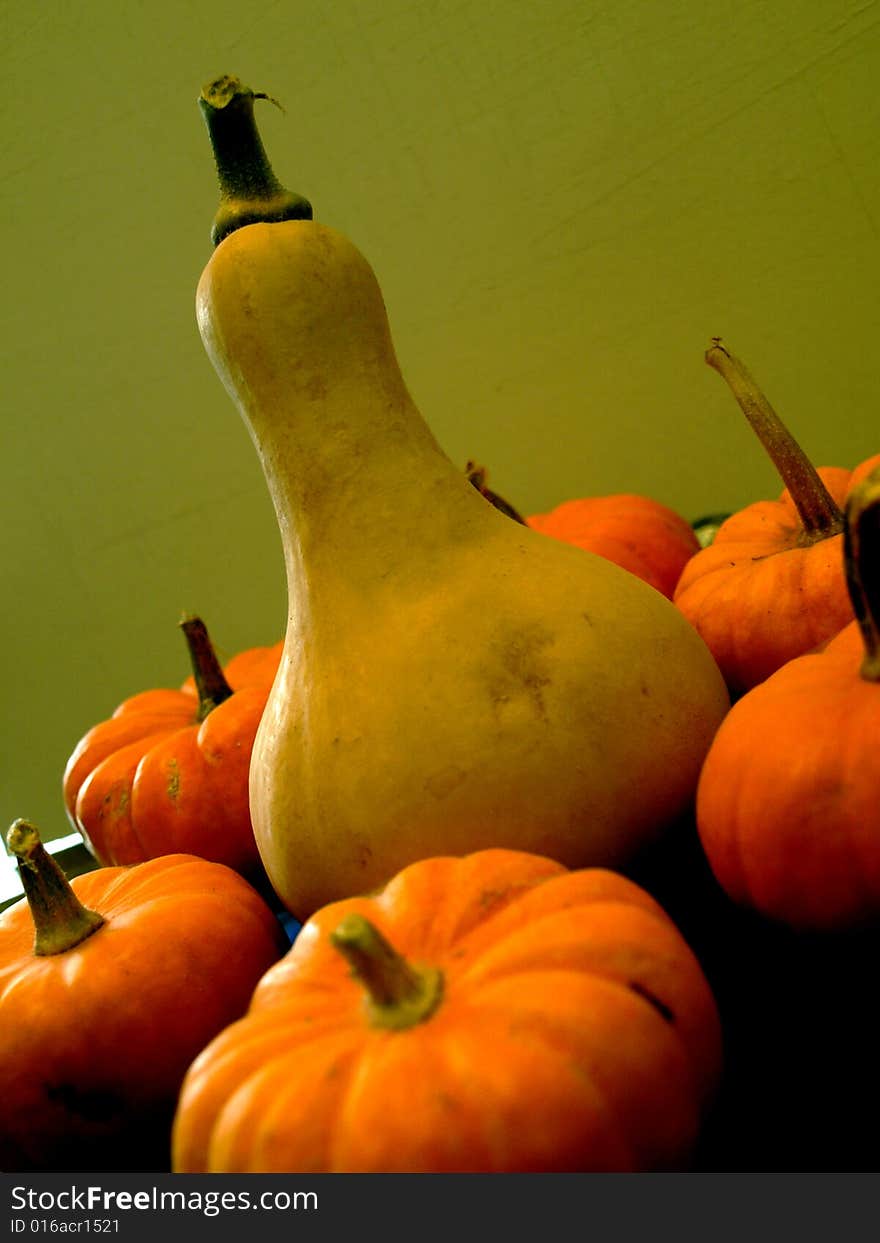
x: 771, y: 585
x: 168, y: 771
x: 492, y: 1012
x: 109, y: 987
x: 787, y: 805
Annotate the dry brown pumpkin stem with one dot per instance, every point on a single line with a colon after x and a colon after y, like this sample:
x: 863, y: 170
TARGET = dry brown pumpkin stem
x: 861, y: 550
x: 60, y: 919
x: 250, y: 192
x: 818, y: 511
x: 477, y: 475
x: 210, y: 680
x: 398, y: 994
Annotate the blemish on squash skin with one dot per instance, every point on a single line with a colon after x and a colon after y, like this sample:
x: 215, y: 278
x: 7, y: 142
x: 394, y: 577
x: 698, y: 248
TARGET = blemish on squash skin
x: 172, y: 787
x: 443, y: 783
x: 362, y: 853
x: 121, y: 802
x: 519, y: 667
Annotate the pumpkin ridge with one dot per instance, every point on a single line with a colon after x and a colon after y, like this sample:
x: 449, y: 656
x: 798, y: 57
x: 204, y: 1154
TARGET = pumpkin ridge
x: 493, y: 902
x: 610, y: 1122
x: 97, y: 750
x: 146, y: 850
x: 474, y: 964
x: 685, y: 972
x: 359, y: 1071
x: 109, y: 889
x: 126, y: 888
x: 554, y: 1032
x: 250, y: 698
x: 617, y: 888
x: 255, y: 1043
x: 440, y: 1061
x: 764, y: 631
x: 103, y: 832
x: 183, y: 746
x: 348, y: 1058
x: 110, y: 736
x: 161, y: 821
x: 158, y: 701
x: 622, y: 985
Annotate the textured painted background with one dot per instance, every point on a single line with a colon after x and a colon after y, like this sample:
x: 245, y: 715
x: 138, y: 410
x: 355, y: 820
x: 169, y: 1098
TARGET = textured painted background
x: 563, y: 203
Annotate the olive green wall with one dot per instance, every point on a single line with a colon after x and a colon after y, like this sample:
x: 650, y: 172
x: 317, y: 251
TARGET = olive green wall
x: 563, y: 202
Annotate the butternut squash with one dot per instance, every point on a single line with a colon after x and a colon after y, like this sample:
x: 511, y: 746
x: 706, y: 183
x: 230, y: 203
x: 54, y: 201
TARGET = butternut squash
x: 450, y: 680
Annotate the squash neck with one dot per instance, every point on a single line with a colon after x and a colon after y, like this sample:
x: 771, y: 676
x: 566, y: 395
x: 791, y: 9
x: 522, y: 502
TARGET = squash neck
x: 294, y: 320
x: 356, y: 498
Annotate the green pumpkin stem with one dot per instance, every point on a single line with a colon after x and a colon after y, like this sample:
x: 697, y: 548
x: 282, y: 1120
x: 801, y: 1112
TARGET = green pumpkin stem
x: 861, y: 551
x: 60, y: 919
x: 208, y: 673
x: 250, y: 193
x: 818, y: 511
x: 398, y: 994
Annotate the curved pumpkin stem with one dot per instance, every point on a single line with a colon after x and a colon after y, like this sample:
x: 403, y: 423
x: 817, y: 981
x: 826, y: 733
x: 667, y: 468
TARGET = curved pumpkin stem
x: 60, y: 919
x: 208, y: 673
x: 250, y: 192
x: 861, y: 546
x: 477, y: 476
x: 399, y: 995
x: 819, y: 513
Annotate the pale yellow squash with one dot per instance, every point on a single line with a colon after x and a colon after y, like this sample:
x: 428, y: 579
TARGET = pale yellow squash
x: 451, y: 680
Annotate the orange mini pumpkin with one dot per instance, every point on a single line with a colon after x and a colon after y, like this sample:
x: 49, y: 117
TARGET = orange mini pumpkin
x: 493, y: 1012
x: 168, y: 771
x: 771, y: 586
x: 787, y: 806
x: 109, y: 987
